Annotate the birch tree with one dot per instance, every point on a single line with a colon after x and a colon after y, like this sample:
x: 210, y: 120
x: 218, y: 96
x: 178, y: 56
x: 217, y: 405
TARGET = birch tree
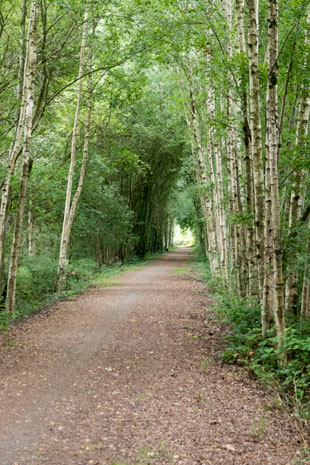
x: 71, y: 204
x: 256, y: 137
x: 20, y: 116
x: 273, y: 142
x: 25, y: 123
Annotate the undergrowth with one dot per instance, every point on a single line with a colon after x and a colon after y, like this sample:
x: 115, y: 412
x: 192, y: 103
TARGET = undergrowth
x: 245, y: 345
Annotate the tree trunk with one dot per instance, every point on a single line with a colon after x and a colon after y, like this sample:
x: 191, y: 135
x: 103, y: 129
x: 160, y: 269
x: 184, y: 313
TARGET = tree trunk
x: 268, y: 295
x: 248, y: 169
x: 31, y: 250
x: 273, y: 147
x: 69, y: 210
x: 20, y: 116
x: 29, y: 83
x: 256, y: 138
x: 237, y: 232
x: 305, y: 295
x: 207, y: 205
x: 199, y: 156
x: 297, y: 197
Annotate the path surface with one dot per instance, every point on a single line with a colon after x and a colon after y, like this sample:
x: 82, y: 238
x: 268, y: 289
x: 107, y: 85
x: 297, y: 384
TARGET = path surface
x: 119, y: 375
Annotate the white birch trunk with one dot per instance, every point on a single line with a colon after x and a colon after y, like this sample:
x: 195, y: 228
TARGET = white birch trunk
x: 84, y: 159
x: 297, y: 197
x: 248, y: 168
x: 199, y: 158
x: 220, y: 207
x: 256, y: 138
x: 215, y: 174
x: 238, y: 237
x: 20, y: 115
x: 273, y: 143
x: 268, y: 295
x: 65, y: 235
x: 31, y: 250
x: 305, y: 297
x: 207, y: 205
x: 29, y: 83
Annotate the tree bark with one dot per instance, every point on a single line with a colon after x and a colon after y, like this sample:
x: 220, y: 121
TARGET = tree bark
x: 273, y: 148
x: 70, y: 208
x: 237, y: 231
x: 248, y: 169
x: 31, y: 249
x: 29, y: 84
x: 256, y: 138
x: 20, y: 116
x: 208, y: 232
x: 297, y: 194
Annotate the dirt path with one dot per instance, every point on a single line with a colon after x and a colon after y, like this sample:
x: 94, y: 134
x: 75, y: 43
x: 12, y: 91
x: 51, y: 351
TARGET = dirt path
x: 119, y: 376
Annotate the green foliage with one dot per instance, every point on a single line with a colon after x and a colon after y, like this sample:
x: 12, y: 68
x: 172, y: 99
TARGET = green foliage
x: 286, y: 365
x: 294, y: 373
x: 4, y: 321
x: 243, y: 313
x: 179, y: 271
x: 35, y: 279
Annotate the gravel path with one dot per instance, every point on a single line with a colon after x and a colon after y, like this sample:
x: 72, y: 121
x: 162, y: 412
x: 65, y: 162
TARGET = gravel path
x: 122, y: 376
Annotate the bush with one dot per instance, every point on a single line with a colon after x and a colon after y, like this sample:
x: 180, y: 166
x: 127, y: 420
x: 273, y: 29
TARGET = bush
x: 36, y: 277
x: 287, y: 365
x: 294, y: 374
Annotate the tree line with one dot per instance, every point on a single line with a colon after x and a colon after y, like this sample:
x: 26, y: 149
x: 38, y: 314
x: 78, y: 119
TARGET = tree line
x: 244, y: 83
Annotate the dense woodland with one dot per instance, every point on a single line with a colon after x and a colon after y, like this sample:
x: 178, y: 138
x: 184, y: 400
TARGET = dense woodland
x: 119, y: 119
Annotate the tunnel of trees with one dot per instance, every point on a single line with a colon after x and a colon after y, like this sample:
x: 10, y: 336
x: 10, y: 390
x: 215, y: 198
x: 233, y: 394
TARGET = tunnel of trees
x: 119, y: 119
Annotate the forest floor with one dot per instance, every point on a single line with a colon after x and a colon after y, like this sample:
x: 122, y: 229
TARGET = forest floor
x: 131, y: 374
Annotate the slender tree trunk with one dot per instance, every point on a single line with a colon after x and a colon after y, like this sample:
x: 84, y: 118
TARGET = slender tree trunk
x: 70, y: 208
x: 215, y: 144
x: 206, y: 199
x: 305, y: 301
x: 20, y: 115
x: 215, y: 174
x: 2, y: 277
x: 238, y: 237
x: 29, y: 83
x: 31, y: 250
x: 220, y: 207
x: 171, y: 233
x: 22, y: 55
x: 248, y: 169
x: 305, y: 295
x: 297, y: 197
x: 273, y: 143
x: 98, y: 251
x: 268, y: 296
x: 84, y: 158
x: 256, y: 138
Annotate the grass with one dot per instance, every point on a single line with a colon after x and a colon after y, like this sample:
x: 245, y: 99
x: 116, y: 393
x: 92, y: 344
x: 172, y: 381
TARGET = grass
x: 180, y: 271
x: 107, y: 277
x: 258, y: 426
x: 150, y: 455
x: 110, y: 283
x: 204, y: 365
